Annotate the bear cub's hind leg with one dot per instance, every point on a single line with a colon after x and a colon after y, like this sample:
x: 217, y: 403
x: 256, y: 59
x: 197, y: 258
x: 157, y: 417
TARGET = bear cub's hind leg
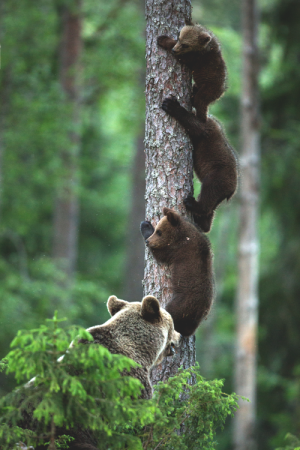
x: 193, y: 126
x: 203, y: 220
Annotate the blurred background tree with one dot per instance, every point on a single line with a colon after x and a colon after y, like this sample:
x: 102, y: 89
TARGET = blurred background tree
x: 35, y: 123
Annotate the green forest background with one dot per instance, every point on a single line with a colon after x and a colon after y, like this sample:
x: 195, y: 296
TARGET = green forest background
x: 34, y: 124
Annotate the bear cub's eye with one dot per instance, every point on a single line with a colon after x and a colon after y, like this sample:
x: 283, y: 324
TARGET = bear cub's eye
x: 184, y: 45
x: 158, y: 232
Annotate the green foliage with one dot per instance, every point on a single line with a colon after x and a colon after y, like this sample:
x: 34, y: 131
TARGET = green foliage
x: 84, y: 389
x: 63, y: 441
x: 34, y: 126
x: 293, y: 443
x: 189, y: 403
x: 32, y: 292
x: 3, y: 365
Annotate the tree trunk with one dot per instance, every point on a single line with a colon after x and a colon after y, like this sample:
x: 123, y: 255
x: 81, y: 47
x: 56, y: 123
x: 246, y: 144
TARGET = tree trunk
x: 168, y: 152
x: 66, y: 207
x: 135, y: 248
x: 247, y: 293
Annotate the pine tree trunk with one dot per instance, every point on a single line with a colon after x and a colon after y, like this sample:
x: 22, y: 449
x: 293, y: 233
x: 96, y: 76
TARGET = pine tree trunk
x: 168, y: 152
x: 66, y: 207
x: 133, y: 289
x: 247, y: 294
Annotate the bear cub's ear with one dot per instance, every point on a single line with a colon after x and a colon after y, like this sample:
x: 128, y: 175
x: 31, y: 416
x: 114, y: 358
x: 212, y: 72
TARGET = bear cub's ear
x: 114, y: 305
x: 172, y: 216
x: 204, y: 39
x: 150, y: 310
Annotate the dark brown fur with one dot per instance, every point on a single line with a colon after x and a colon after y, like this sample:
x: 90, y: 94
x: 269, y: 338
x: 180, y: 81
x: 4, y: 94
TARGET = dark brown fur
x: 177, y: 242
x: 199, y: 49
x: 215, y: 163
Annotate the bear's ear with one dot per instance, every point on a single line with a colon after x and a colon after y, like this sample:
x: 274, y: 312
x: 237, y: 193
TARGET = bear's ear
x: 204, y: 39
x: 150, y: 310
x: 172, y: 216
x: 114, y: 305
x: 188, y: 22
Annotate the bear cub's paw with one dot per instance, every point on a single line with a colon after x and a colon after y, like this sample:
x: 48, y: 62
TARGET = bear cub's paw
x: 190, y: 203
x: 171, y: 105
x: 162, y: 40
x: 166, y: 42
x: 146, y: 229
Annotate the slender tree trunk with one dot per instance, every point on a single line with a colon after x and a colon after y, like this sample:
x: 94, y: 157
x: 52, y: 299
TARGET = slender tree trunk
x: 168, y: 151
x: 135, y: 250
x: 247, y: 293
x: 66, y: 207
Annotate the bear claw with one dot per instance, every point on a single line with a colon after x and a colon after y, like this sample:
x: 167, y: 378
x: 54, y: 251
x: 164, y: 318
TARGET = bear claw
x: 189, y: 202
x: 170, y: 104
x: 161, y: 40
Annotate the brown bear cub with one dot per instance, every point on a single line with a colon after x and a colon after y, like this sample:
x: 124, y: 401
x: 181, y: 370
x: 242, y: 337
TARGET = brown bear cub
x: 177, y: 242
x: 142, y: 331
x: 199, y: 49
x: 215, y: 163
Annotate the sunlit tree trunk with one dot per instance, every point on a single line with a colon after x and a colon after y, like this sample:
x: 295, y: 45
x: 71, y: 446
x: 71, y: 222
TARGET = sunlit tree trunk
x: 168, y: 151
x: 247, y: 293
x: 66, y: 207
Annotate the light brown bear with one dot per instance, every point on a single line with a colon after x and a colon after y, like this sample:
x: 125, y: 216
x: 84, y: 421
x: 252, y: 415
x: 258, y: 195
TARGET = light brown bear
x: 177, y: 242
x: 142, y: 331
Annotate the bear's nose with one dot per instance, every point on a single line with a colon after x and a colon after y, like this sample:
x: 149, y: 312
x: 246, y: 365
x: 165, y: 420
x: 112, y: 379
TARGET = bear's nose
x: 173, y: 51
x: 147, y: 242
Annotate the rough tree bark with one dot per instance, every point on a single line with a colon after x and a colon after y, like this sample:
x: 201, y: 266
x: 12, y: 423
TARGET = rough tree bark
x: 168, y: 151
x: 247, y: 292
x: 66, y: 206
